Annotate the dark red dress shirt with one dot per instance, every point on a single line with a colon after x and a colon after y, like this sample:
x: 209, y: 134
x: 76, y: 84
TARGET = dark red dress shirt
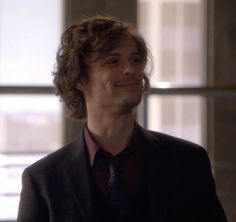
x: 130, y: 171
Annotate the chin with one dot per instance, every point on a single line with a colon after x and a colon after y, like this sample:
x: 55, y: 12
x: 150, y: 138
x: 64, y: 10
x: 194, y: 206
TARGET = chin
x: 130, y: 104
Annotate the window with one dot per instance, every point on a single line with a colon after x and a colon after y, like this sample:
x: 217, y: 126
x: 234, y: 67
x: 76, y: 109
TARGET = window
x: 30, y: 114
x: 175, y: 31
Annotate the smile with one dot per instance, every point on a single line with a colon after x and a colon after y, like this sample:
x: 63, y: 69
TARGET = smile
x: 128, y: 83
x: 129, y: 86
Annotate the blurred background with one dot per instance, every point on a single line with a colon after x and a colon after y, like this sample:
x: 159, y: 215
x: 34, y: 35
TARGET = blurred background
x: 193, y: 84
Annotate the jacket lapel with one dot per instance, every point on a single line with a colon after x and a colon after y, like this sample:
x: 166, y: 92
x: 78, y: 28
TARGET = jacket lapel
x: 157, y: 175
x: 79, y: 178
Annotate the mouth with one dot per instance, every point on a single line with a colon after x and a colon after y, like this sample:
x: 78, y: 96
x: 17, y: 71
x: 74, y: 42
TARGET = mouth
x: 130, y: 80
x: 129, y: 85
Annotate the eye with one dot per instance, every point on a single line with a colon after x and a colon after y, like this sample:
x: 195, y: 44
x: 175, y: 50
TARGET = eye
x: 136, y: 59
x: 112, y: 61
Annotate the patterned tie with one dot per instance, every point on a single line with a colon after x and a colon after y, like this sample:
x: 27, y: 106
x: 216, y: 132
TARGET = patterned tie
x: 116, y: 193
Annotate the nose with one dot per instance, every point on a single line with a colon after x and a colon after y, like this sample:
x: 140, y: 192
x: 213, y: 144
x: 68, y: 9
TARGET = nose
x: 129, y: 68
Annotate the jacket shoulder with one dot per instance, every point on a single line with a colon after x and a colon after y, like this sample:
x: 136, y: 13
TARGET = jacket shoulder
x: 174, y: 148
x: 56, y: 160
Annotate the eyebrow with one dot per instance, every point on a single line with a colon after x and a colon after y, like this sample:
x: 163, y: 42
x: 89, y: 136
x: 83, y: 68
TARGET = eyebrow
x: 118, y: 54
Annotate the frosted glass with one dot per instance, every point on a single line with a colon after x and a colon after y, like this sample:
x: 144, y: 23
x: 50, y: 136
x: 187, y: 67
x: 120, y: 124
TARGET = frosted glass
x: 30, y: 123
x: 29, y: 37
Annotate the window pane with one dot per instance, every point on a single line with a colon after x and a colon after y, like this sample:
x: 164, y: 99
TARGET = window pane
x: 180, y: 116
x: 174, y: 31
x: 11, y: 168
x: 30, y: 123
x: 29, y: 37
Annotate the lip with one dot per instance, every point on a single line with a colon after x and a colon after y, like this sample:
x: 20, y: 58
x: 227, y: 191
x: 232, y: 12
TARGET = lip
x: 130, y: 86
x: 128, y: 83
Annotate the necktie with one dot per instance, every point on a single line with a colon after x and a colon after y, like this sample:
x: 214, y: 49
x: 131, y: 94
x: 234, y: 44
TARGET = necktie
x: 116, y: 193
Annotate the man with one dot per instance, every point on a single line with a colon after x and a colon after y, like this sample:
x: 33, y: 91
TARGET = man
x: 115, y: 170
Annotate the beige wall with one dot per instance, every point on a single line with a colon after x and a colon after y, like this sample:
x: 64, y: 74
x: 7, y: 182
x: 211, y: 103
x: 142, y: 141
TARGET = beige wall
x: 124, y: 9
x: 222, y: 109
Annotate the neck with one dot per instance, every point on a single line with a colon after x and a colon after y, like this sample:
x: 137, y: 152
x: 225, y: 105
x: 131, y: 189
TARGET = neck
x: 112, y: 132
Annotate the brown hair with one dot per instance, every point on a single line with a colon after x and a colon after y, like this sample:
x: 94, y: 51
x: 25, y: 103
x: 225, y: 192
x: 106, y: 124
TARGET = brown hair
x: 94, y: 34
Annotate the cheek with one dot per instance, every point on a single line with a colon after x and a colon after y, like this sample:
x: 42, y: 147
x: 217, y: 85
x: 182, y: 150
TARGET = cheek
x: 140, y: 71
x: 101, y: 86
x: 107, y: 78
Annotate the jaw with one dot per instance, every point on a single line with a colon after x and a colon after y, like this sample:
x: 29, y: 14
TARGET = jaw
x: 116, y: 102
x: 128, y: 103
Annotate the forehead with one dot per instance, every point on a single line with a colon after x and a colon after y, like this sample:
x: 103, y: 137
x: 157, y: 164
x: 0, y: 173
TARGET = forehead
x: 124, y: 46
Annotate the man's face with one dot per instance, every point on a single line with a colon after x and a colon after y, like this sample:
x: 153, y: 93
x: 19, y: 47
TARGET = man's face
x: 115, y: 80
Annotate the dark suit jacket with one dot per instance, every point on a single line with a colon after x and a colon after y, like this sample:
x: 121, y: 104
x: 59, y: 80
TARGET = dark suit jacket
x: 58, y: 188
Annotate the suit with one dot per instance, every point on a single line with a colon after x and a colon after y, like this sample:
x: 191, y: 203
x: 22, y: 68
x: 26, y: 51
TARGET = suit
x: 58, y: 188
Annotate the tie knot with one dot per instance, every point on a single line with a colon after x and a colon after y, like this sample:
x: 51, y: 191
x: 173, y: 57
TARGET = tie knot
x: 115, y: 161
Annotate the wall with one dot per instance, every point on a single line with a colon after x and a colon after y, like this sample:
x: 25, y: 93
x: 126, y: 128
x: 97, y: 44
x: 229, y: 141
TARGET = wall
x: 222, y: 109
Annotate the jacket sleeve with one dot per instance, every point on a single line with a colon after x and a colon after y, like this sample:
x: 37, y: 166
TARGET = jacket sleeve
x: 213, y: 208
x: 32, y: 206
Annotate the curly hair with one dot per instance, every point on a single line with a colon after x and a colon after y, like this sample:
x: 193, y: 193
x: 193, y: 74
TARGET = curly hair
x: 94, y: 34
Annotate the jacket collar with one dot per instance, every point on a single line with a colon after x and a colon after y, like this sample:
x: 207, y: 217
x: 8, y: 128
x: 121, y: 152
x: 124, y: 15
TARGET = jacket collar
x: 79, y: 179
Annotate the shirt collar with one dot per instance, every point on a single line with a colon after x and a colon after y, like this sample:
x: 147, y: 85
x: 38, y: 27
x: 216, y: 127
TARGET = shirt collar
x: 91, y: 144
x: 93, y: 147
